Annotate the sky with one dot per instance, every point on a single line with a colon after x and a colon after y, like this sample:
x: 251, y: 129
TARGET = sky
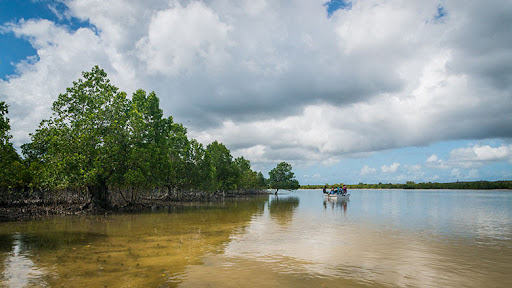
x: 345, y: 91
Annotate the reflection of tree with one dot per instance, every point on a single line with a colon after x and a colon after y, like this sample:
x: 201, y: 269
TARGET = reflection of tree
x: 5, y: 243
x: 281, y: 209
x: 144, y: 248
x: 20, y: 264
x: 5, y: 248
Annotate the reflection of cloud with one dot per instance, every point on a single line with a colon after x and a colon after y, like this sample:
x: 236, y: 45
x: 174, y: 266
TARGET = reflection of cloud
x: 363, y: 253
x: 19, y: 270
x: 339, y: 252
x: 495, y: 225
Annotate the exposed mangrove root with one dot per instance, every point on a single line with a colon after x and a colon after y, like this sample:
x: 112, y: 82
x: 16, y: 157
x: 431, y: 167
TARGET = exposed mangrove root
x: 38, y: 208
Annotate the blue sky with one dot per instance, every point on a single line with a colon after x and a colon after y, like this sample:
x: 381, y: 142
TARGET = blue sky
x: 13, y: 48
x: 334, y: 5
x: 345, y: 91
x: 17, y: 49
x: 413, y: 166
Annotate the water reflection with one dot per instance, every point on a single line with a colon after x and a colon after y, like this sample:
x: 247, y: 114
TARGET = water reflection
x: 21, y: 267
x: 281, y: 208
x: 335, y: 203
x: 18, y: 268
x: 137, y: 250
x: 377, y: 239
x: 390, y: 246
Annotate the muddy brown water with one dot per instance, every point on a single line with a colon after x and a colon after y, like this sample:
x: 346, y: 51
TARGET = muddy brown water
x: 379, y: 238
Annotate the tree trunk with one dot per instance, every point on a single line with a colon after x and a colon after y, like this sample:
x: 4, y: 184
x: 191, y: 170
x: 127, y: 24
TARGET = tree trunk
x: 99, y: 194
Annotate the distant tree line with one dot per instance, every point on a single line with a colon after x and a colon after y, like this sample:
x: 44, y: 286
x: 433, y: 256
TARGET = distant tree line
x: 474, y: 185
x: 98, y: 142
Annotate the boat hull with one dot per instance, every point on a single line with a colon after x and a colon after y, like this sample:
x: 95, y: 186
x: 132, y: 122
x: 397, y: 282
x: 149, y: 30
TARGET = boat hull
x: 338, y: 196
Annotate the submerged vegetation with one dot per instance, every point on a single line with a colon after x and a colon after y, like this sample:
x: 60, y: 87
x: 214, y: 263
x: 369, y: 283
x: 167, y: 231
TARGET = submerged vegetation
x: 104, y: 149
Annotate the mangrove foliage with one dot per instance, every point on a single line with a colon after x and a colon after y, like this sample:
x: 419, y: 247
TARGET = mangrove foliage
x: 99, y: 144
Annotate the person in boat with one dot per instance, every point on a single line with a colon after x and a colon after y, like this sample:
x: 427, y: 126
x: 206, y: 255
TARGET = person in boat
x: 344, y: 190
x: 325, y: 189
x: 332, y: 190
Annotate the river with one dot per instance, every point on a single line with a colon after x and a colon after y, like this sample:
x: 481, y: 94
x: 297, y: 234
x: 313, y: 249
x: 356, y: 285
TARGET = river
x: 379, y: 238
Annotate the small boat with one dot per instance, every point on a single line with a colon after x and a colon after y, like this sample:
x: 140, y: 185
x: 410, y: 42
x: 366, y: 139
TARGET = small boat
x: 335, y: 195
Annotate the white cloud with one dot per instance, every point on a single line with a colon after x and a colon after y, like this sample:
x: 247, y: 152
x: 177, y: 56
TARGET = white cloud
x: 390, y: 169
x: 256, y: 153
x: 471, y: 175
x: 183, y: 39
x: 478, y: 155
x: 62, y: 55
x: 254, y: 7
x: 414, y: 168
x: 434, y: 162
x: 367, y: 170
x: 120, y: 23
x: 456, y: 173
x: 473, y: 157
x: 279, y: 80
x: 432, y: 159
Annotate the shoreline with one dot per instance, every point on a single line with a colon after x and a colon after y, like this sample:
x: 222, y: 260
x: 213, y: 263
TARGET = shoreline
x: 36, y: 210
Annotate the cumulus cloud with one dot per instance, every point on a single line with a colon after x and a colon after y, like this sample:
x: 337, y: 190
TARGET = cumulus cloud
x: 390, y: 169
x: 414, y: 168
x: 434, y: 162
x: 471, y: 175
x: 184, y: 39
x: 285, y: 81
x: 478, y: 155
x: 432, y: 159
x: 456, y: 173
x: 471, y: 157
x: 61, y: 56
x: 367, y: 170
x: 480, y: 47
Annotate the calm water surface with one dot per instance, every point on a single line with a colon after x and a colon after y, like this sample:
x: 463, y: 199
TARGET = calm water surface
x: 380, y: 238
